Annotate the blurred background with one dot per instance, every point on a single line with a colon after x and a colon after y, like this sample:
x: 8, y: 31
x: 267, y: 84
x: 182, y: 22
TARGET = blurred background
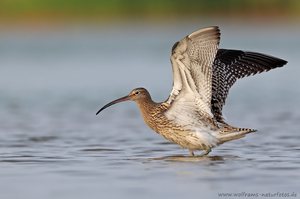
x: 97, y: 46
x: 61, y: 60
x: 55, y: 11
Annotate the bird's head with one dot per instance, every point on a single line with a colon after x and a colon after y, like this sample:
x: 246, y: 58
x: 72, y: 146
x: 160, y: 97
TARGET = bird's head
x: 137, y: 95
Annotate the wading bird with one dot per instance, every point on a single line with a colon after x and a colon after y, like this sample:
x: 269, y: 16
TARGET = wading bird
x: 202, y: 76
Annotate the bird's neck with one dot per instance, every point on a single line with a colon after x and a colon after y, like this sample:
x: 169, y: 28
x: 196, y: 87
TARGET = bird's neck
x: 146, y: 106
x: 149, y: 109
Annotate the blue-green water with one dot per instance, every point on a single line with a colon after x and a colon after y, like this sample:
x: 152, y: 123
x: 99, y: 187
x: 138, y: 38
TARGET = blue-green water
x: 52, y: 145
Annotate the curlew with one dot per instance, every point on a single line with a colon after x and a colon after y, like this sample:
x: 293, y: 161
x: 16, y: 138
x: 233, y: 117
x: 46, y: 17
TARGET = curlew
x: 202, y: 76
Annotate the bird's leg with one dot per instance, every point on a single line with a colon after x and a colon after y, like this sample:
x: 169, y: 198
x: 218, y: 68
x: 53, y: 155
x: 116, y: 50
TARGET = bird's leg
x: 191, y: 153
x: 206, y: 152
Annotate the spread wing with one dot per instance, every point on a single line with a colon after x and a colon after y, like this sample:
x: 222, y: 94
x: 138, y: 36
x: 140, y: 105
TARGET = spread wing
x: 192, y: 60
x: 230, y: 65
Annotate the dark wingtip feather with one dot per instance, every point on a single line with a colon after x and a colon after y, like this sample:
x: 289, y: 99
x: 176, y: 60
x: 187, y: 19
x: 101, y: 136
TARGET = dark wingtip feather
x: 283, y: 62
x: 279, y: 63
x: 230, y: 65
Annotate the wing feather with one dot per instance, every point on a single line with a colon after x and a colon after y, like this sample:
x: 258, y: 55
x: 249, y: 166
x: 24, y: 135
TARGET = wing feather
x: 230, y: 65
x: 192, y: 60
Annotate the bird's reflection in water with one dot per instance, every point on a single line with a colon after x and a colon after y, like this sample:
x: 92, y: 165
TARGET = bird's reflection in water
x: 179, y: 158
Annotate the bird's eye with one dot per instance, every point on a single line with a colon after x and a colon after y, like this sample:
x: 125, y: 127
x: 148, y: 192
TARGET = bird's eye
x: 137, y: 92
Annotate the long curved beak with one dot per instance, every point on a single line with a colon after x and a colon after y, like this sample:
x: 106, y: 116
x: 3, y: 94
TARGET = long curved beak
x: 122, y: 99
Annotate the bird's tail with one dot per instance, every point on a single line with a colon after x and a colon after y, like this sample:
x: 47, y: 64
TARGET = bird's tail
x: 228, y: 133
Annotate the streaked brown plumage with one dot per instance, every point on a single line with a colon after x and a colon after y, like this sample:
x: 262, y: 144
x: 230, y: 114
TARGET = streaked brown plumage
x: 192, y: 115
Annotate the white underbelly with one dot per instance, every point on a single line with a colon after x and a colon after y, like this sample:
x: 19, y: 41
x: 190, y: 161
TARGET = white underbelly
x: 197, y: 139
